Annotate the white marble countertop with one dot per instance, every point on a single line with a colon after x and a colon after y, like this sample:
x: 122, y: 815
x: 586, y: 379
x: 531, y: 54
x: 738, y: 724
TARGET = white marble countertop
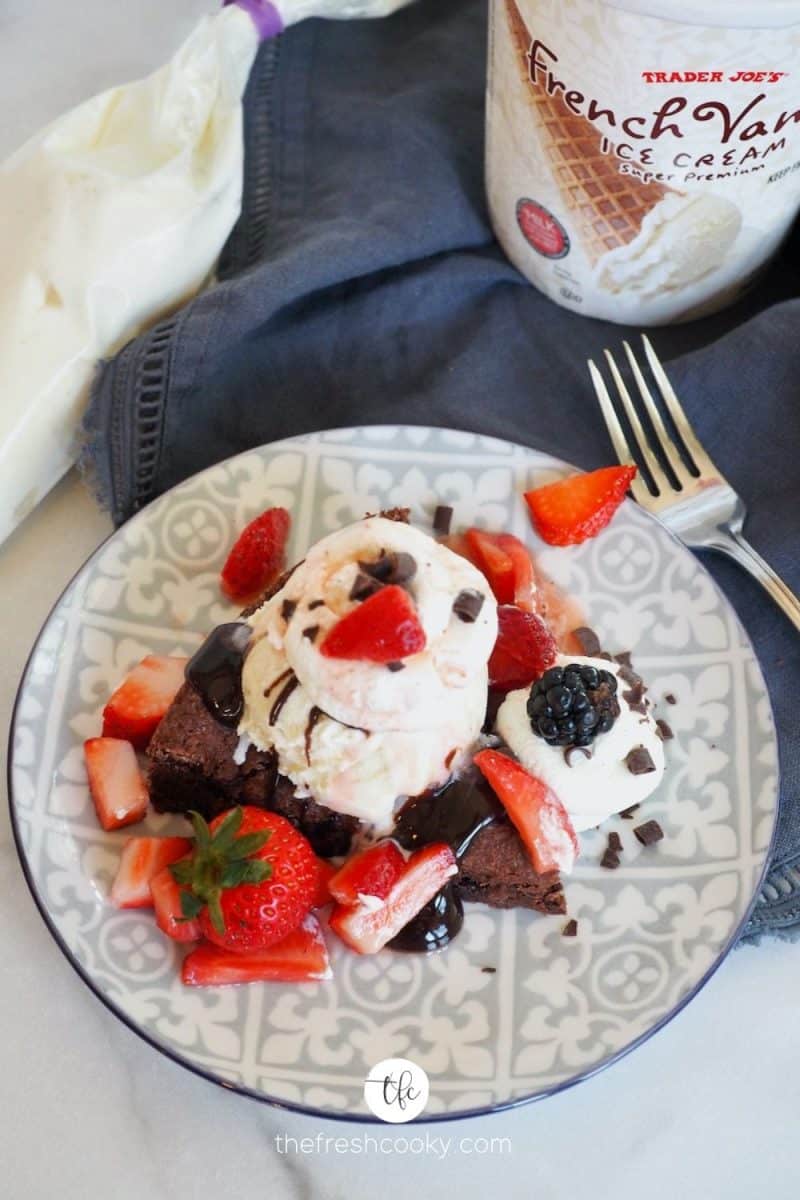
x: 707, y: 1107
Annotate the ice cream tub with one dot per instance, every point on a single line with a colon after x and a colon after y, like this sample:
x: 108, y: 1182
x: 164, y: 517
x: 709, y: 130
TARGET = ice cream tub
x: 643, y: 156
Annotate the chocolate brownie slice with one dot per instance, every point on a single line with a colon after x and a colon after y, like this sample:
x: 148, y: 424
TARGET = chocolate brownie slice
x: 191, y: 766
x: 497, y: 871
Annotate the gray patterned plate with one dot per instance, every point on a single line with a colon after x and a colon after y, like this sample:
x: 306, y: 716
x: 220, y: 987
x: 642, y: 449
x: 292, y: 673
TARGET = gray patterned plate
x: 555, y: 1009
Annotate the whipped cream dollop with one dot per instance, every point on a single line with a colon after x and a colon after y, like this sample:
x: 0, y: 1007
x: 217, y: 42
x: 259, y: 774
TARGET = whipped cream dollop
x: 591, y: 789
x: 355, y: 735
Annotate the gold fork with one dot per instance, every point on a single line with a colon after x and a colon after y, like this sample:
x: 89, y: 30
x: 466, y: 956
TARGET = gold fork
x: 686, y: 491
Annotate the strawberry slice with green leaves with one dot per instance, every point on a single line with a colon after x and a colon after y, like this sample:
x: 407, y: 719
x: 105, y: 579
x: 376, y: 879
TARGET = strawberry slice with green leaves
x: 538, y: 815
x: 257, y: 556
x: 142, y: 699
x: 117, y: 786
x: 166, y: 899
x: 366, y: 928
x: 571, y: 510
x: 383, y: 628
x: 372, y: 872
x: 142, y: 859
x: 524, y: 649
x: 250, y: 879
x: 300, y: 957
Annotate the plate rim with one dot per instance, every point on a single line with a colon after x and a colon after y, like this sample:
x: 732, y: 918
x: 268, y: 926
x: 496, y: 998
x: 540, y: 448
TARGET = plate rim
x: 307, y: 1109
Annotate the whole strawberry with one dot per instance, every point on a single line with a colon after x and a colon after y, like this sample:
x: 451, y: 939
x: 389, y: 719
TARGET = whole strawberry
x: 250, y: 880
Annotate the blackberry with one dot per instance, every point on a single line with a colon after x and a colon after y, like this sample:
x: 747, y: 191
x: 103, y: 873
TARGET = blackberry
x: 571, y: 705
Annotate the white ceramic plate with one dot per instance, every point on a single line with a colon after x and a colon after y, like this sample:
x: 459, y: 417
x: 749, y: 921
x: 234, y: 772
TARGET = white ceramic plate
x: 555, y: 1009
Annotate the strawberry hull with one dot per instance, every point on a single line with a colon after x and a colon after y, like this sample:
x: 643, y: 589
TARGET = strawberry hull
x: 367, y: 930
x: 165, y: 896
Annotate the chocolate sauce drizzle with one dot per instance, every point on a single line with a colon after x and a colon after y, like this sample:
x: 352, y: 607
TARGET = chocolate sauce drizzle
x: 215, y: 671
x: 283, y: 695
x: 454, y: 814
x: 315, y: 715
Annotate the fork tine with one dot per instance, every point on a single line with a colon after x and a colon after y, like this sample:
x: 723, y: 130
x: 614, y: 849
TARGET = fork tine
x: 620, y: 443
x: 682, y: 423
x: 670, y: 451
x: 662, y: 484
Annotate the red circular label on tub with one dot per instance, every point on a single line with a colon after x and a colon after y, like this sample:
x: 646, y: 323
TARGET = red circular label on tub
x: 542, y: 230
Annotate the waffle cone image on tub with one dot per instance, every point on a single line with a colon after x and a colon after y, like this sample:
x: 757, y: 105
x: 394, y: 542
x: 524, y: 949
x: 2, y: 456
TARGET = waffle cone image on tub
x: 639, y: 236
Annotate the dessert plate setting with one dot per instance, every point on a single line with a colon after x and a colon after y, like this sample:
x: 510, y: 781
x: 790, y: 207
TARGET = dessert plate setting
x: 513, y: 1010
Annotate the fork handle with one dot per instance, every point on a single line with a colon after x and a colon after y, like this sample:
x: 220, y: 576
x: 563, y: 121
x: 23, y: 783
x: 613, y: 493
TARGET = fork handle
x: 737, y: 547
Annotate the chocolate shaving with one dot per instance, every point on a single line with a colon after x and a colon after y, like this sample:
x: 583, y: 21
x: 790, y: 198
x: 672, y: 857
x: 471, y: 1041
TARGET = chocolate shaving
x: 649, y: 833
x: 315, y: 715
x: 288, y: 609
x: 467, y: 605
x: 629, y: 676
x: 588, y: 641
x: 627, y: 813
x: 623, y: 658
x: 311, y: 632
x: 489, y: 970
x: 570, y: 929
x: 450, y: 757
x: 283, y: 695
x: 395, y: 666
x: 284, y: 675
x: 570, y: 750
x: 610, y: 859
x: 639, y: 761
x: 604, y: 654
x: 315, y: 604
x: 635, y: 694
x: 670, y: 698
x: 614, y: 841
x: 442, y: 519
x: 664, y: 731
x: 364, y: 586
x: 401, y: 515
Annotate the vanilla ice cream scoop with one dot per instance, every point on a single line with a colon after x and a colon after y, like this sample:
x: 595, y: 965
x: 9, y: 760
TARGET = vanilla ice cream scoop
x: 682, y: 239
x: 591, y: 789
x: 358, y: 736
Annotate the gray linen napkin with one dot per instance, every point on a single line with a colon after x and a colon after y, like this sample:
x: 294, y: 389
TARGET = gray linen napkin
x: 363, y: 285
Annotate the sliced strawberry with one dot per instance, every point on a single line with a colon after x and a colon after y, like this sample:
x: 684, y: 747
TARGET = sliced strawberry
x: 367, y: 929
x: 457, y: 542
x: 117, y: 785
x: 536, y: 812
x: 142, y: 699
x: 496, y: 564
x: 372, y: 872
x: 383, y: 628
x: 524, y: 649
x: 142, y: 859
x: 166, y: 898
x: 571, y: 510
x: 299, y: 957
x: 325, y: 873
x: 524, y: 577
x: 257, y: 555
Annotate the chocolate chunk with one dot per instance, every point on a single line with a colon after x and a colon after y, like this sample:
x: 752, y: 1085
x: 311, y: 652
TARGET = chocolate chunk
x: 604, y: 654
x: 395, y: 666
x: 391, y: 568
x: 623, y: 658
x: 570, y: 750
x: 629, y: 676
x: 364, y: 586
x: 489, y: 970
x: 670, y: 698
x: 614, y: 841
x: 610, y: 859
x: 635, y: 694
x: 627, y: 813
x: 639, y: 762
x: 311, y: 632
x: 442, y: 519
x: 467, y: 605
x: 588, y: 640
x: 288, y: 609
x: 570, y: 929
x: 401, y: 515
x: 664, y: 731
x: 315, y: 604
x: 649, y: 833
